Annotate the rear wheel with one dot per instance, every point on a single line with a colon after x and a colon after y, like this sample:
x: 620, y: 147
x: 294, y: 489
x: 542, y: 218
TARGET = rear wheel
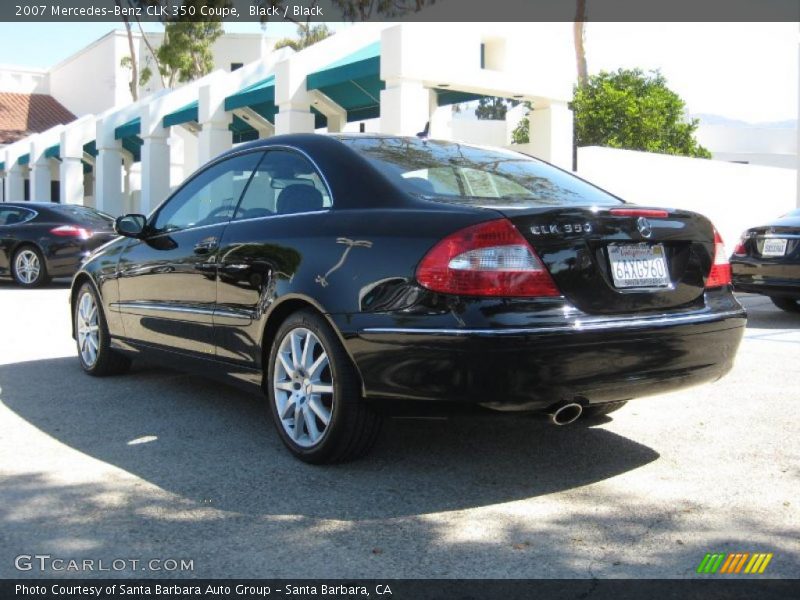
x: 91, y: 333
x: 787, y: 304
x: 29, y: 268
x: 314, y: 394
x: 600, y: 410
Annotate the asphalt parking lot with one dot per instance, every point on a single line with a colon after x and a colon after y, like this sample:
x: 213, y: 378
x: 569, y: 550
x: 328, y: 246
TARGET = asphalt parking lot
x: 157, y: 465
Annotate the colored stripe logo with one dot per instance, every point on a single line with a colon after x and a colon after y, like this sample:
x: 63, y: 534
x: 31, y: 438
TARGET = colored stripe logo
x: 735, y: 563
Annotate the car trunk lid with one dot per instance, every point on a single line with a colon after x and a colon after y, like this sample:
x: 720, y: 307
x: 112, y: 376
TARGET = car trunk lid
x: 583, y: 248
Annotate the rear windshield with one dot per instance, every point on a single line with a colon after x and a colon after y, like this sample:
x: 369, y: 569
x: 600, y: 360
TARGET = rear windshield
x: 452, y: 172
x: 84, y: 214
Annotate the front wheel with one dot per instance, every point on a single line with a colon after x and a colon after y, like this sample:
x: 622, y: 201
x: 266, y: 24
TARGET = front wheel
x: 91, y: 334
x: 787, y: 304
x: 314, y: 394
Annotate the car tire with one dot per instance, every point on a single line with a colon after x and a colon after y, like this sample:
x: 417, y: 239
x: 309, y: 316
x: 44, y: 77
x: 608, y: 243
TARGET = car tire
x: 787, y: 304
x: 601, y: 410
x: 29, y: 268
x: 95, y: 354
x: 305, y: 387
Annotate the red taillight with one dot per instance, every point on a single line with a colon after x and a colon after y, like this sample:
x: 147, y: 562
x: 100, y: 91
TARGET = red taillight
x: 71, y: 231
x: 720, y: 273
x: 740, y: 249
x: 490, y: 259
x: 639, y: 212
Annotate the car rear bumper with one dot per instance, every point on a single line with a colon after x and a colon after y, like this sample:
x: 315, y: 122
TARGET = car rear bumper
x: 780, y: 288
x: 778, y: 278
x: 533, y: 368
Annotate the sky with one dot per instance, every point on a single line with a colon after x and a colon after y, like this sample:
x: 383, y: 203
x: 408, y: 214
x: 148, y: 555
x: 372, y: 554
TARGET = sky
x: 744, y: 71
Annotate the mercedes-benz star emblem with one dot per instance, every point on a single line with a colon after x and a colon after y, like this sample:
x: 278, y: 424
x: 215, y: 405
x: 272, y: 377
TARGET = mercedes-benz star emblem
x: 643, y: 225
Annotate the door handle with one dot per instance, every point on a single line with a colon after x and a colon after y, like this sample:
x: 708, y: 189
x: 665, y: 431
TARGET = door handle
x: 205, y: 246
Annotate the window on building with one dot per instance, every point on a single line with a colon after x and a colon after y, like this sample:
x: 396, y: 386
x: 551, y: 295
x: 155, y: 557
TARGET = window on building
x: 236, y: 66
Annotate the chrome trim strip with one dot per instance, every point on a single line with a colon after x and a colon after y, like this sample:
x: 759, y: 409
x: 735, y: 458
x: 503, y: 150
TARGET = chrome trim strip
x: 220, y: 312
x: 780, y: 236
x: 577, y: 326
x: 122, y: 306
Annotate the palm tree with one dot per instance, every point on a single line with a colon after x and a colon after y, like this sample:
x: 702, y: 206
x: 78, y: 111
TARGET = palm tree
x: 578, y: 34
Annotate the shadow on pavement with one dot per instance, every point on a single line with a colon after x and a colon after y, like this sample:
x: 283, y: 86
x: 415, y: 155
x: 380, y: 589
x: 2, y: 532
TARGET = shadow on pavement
x: 8, y: 284
x: 763, y: 314
x: 212, y: 444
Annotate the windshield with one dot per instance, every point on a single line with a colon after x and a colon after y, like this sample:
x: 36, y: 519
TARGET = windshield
x: 452, y: 172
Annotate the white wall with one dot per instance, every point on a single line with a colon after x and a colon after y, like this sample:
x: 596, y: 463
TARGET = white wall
x: 21, y: 80
x: 755, y: 145
x: 230, y: 48
x: 87, y: 82
x: 733, y: 196
x: 91, y: 81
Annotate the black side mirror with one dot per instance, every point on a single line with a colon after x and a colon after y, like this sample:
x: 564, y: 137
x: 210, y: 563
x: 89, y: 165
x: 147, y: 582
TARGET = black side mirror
x: 131, y: 225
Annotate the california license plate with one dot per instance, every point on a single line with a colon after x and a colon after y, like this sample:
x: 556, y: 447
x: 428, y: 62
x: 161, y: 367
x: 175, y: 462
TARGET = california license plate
x: 774, y: 247
x: 638, y: 265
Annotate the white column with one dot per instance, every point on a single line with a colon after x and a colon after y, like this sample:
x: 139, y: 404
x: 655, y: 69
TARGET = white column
x: 441, y: 119
x: 71, y: 173
x: 15, y: 184
x: 215, y: 137
x: 291, y: 119
x: 292, y: 98
x: 40, y: 181
x: 155, y: 170
x: 551, y: 134
x: 405, y: 107
x: 108, y: 171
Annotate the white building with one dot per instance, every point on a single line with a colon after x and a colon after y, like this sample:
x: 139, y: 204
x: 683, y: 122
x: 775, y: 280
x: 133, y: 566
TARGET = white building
x: 750, y: 144
x: 123, y: 156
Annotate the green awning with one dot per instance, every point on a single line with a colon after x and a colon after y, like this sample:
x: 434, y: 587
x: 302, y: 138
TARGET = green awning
x: 353, y: 82
x: 133, y: 144
x: 129, y: 129
x: 89, y: 148
x: 183, y: 115
x: 2, y: 166
x: 53, y: 151
x: 24, y: 159
x: 446, y: 97
x: 261, y: 92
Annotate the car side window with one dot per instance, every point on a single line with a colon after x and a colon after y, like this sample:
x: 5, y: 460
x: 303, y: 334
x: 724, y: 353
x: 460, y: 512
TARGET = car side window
x: 210, y: 197
x: 13, y: 215
x: 285, y: 182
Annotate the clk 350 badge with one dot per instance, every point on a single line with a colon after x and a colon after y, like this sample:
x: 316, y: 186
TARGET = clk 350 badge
x: 555, y: 229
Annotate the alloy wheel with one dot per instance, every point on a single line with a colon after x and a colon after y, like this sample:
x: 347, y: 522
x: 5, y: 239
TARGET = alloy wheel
x: 303, y: 387
x: 88, y: 327
x: 27, y: 266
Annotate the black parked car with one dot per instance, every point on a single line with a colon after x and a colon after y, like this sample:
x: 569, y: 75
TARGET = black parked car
x: 42, y: 240
x: 346, y: 274
x: 767, y: 261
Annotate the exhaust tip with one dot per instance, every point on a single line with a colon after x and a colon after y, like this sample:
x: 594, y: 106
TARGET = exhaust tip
x: 566, y: 414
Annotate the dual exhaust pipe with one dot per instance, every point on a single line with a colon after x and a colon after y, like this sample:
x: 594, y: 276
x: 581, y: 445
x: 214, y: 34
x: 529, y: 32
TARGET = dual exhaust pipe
x: 565, y: 413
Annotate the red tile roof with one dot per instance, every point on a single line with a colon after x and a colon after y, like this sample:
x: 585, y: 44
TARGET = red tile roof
x: 24, y: 114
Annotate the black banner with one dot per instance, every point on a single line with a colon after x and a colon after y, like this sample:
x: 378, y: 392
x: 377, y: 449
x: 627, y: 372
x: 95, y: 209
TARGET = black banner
x: 397, y: 10
x: 404, y: 589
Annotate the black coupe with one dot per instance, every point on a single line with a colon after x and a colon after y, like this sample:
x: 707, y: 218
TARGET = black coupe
x: 42, y: 240
x: 767, y: 261
x: 346, y: 274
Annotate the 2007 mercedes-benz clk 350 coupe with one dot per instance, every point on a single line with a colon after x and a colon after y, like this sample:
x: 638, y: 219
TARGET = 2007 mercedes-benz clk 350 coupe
x: 344, y: 274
